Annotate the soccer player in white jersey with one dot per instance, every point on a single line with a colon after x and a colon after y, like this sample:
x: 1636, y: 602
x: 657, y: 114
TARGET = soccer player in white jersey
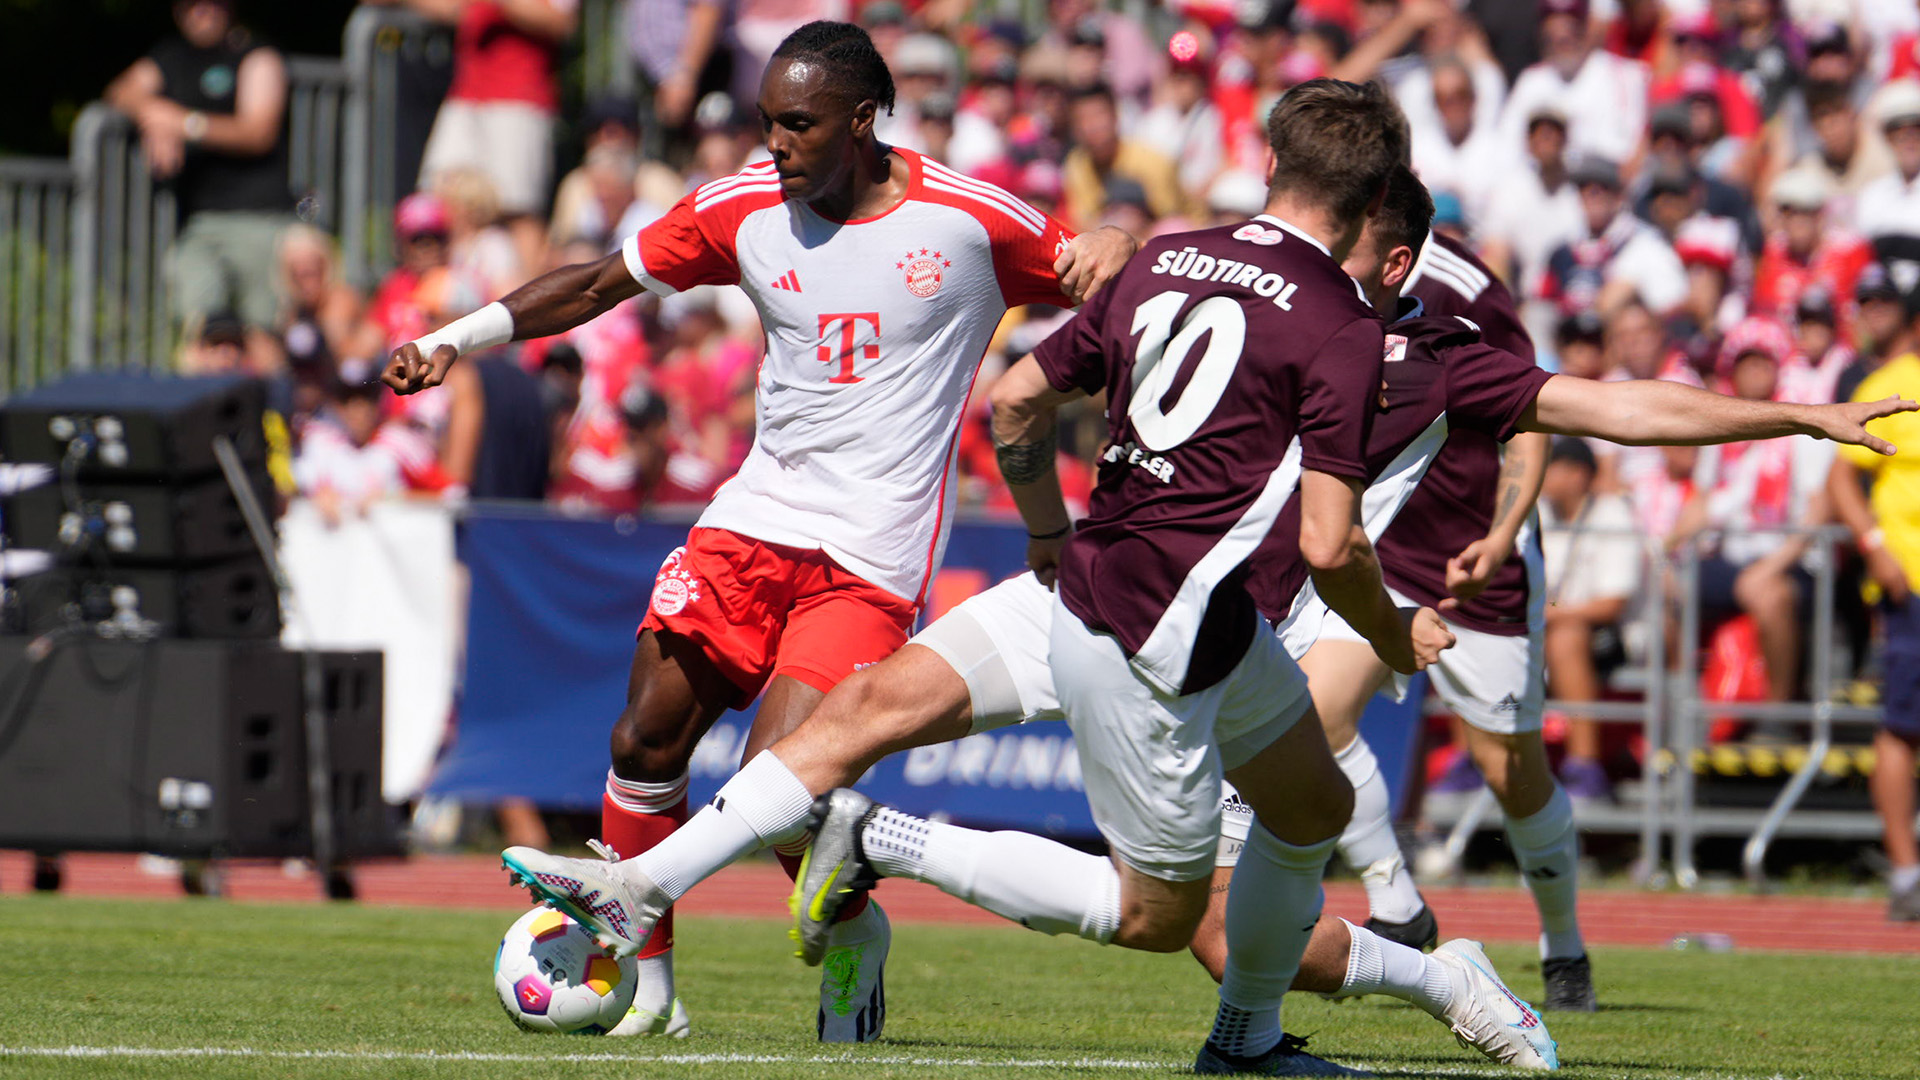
x: 880, y: 276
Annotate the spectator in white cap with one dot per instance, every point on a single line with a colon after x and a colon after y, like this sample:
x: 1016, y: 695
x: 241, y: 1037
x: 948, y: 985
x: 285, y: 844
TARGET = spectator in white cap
x: 922, y: 65
x: 1807, y: 249
x: 1709, y: 248
x: 1888, y: 213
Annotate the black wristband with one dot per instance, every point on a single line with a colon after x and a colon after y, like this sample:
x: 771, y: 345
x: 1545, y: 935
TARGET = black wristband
x: 1054, y: 535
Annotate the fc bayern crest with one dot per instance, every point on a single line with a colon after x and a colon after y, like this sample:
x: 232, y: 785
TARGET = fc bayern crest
x: 925, y: 271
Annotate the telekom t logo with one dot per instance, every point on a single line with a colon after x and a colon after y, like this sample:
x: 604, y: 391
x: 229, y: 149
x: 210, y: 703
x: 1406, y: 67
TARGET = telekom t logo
x: 849, y: 323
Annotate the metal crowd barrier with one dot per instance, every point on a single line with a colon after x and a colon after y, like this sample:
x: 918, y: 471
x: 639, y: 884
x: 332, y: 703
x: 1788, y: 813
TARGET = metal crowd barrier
x: 35, y: 266
x: 378, y: 42
x: 83, y: 242
x: 1783, y: 817
x: 123, y: 225
x: 1663, y: 806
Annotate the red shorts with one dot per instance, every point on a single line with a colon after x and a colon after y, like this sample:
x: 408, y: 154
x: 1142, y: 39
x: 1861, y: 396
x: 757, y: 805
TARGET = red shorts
x: 758, y: 610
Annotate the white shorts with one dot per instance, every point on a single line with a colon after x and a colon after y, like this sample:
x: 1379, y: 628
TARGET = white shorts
x: 1312, y: 620
x: 1496, y: 682
x: 510, y: 141
x: 997, y: 642
x: 1152, y: 762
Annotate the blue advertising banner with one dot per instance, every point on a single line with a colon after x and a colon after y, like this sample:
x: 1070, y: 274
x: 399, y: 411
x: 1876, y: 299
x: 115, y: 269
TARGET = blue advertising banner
x: 551, y: 618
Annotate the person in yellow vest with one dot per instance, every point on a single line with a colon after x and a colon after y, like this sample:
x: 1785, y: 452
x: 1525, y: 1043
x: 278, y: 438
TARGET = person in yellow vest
x: 1885, y: 521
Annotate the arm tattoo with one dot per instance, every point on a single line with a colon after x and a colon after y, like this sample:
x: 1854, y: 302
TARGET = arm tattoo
x: 1027, y: 463
x: 1510, y: 473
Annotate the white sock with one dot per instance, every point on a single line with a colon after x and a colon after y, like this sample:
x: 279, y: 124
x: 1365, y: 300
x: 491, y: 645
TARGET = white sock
x: 1378, y: 966
x: 763, y: 803
x: 1548, y: 850
x: 1037, y: 883
x: 1368, y: 844
x: 653, y: 990
x: 1902, y: 878
x: 1272, y: 905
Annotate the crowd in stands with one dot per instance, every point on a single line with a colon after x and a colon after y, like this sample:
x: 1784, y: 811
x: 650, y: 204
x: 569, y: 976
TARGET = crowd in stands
x: 1719, y: 192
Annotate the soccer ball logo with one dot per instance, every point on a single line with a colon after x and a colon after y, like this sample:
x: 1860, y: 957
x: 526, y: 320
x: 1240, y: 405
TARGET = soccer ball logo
x: 551, y: 976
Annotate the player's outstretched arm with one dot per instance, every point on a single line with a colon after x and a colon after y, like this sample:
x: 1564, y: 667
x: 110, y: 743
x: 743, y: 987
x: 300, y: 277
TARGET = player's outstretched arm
x: 1092, y: 259
x: 1346, y: 573
x: 554, y: 302
x: 1026, y: 437
x: 1523, y: 469
x: 1653, y: 412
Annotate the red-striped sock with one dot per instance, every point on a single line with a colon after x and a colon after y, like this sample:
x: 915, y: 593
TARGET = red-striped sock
x: 634, y: 816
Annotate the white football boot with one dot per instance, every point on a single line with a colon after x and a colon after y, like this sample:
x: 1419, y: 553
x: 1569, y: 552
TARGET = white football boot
x: 621, y: 916
x: 1488, y: 1017
x: 853, y: 990
x: 639, y: 1022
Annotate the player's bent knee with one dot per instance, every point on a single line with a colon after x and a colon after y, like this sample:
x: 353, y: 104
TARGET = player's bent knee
x: 650, y: 752
x: 1157, y: 915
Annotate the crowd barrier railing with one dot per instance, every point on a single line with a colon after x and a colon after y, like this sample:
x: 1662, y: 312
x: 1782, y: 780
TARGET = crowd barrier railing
x: 1664, y: 806
x: 36, y: 197
x: 1820, y: 711
x: 378, y: 42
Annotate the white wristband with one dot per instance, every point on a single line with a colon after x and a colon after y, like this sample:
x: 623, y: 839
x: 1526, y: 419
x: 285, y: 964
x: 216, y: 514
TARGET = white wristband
x: 491, y: 325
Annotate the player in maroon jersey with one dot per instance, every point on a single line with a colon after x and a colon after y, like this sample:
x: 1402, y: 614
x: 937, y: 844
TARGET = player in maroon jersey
x: 1160, y: 659
x: 1490, y: 393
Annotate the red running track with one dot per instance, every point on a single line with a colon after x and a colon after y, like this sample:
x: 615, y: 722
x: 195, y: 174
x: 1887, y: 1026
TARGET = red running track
x: 759, y: 890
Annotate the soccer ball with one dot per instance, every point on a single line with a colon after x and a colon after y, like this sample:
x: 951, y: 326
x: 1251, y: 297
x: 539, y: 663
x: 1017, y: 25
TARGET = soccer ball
x: 551, y: 976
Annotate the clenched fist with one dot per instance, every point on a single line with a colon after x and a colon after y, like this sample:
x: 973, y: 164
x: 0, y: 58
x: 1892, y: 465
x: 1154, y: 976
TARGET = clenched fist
x: 408, y: 372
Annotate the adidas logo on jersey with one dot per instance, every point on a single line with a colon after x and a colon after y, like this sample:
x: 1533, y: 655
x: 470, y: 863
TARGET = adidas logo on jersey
x: 789, y: 281
x: 1508, y: 704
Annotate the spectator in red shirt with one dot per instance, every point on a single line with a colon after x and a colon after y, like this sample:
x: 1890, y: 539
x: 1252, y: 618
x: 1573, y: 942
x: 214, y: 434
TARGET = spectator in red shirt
x: 707, y: 381
x: 398, y: 312
x: 1805, y: 251
x: 498, y: 115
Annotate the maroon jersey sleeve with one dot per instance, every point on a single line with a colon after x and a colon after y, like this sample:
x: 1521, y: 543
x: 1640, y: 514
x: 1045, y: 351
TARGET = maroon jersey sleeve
x: 1488, y: 389
x: 1071, y: 356
x: 1498, y: 318
x: 1341, y: 390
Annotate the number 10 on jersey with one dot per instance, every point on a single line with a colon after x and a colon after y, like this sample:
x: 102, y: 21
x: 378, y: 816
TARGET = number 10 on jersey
x: 849, y: 323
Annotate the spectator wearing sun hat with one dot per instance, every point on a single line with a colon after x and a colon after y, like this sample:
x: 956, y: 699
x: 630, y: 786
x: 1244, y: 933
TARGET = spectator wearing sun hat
x: 1888, y: 211
x: 1806, y: 250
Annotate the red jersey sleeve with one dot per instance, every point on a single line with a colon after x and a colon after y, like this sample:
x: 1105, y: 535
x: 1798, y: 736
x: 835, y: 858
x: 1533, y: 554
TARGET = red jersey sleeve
x: 1341, y: 392
x: 1023, y: 260
x: 693, y: 243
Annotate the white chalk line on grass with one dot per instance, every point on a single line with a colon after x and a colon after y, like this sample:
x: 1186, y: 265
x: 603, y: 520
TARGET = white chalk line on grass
x: 477, y: 1056
x: 536, y: 1059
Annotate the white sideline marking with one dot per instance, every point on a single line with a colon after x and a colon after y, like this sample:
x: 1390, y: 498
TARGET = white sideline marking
x: 535, y: 1059
x: 469, y: 1056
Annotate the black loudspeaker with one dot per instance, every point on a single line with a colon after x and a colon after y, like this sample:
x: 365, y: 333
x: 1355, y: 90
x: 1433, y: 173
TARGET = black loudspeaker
x: 232, y: 599
x: 135, y: 426
x: 187, y: 748
x: 136, y: 524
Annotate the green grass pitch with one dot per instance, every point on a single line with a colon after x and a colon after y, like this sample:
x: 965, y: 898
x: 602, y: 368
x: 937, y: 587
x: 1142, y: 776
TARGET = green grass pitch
x: 93, y: 988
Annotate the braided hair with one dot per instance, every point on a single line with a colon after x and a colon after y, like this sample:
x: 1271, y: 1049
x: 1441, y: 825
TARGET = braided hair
x: 848, y: 53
